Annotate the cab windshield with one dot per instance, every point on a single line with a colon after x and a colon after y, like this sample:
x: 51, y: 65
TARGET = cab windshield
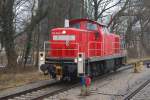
x: 76, y: 25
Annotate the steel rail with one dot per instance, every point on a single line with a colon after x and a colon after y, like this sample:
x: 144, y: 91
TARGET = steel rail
x: 136, y: 91
x: 27, y: 91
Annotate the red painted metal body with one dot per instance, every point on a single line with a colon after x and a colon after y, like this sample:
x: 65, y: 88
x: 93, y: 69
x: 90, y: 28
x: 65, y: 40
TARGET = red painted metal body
x: 85, y: 36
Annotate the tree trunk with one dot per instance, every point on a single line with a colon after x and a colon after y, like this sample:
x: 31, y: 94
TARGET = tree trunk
x: 8, y: 32
x: 96, y: 10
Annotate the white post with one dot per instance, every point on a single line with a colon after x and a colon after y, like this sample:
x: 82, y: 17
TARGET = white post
x: 81, y: 64
x: 41, y: 59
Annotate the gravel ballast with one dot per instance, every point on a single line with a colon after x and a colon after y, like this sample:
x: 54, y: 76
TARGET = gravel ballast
x: 114, y: 87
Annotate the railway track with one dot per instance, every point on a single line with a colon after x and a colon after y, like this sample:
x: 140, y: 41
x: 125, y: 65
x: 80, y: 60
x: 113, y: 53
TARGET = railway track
x: 41, y: 93
x: 26, y: 91
x: 137, y: 90
x: 53, y: 89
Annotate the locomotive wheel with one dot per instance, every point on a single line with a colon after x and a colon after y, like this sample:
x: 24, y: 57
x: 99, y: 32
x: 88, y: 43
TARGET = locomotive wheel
x: 117, y: 64
x: 115, y: 69
x: 98, y: 65
x: 103, y: 69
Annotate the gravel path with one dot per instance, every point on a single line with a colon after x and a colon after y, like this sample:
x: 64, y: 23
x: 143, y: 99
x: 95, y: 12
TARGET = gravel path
x: 111, y: 88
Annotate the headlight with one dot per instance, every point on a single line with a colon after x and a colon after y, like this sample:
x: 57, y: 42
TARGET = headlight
x: 75, y: 60
x: 41, y: 58
x: 63, y: 32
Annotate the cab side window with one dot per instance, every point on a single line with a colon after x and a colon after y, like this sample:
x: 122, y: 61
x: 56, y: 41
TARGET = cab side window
x: 91, y: 26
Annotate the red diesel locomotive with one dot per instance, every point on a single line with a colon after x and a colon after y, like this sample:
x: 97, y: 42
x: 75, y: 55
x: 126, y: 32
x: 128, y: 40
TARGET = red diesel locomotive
x: 84, y: 48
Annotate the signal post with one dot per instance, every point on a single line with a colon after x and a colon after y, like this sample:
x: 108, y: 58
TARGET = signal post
x: 84, y: 79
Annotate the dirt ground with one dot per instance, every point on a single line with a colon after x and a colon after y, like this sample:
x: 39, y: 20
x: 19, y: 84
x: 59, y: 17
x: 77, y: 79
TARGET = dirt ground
x: 9, y: 80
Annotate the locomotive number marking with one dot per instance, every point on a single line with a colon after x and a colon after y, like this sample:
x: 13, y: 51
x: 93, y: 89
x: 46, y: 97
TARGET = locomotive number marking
x: 64, y: 37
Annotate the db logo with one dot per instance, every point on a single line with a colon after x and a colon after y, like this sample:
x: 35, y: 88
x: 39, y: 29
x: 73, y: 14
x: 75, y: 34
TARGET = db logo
x: 67, y: 43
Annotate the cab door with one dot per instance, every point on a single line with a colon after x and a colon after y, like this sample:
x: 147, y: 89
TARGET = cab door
x: 93, y: 43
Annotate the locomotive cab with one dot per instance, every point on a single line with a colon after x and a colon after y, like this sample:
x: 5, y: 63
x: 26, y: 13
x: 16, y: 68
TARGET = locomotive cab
x: 82, y: 37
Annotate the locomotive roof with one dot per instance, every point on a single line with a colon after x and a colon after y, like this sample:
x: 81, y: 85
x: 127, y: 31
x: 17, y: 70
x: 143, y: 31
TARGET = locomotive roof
x: 84, y: 19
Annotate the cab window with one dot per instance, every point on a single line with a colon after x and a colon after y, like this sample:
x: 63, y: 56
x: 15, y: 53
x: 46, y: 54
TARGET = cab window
x: 76, y: 25
x: 91, y: 26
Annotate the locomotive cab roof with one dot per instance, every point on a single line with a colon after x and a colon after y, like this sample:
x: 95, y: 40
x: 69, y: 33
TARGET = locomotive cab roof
x: 73, y: 21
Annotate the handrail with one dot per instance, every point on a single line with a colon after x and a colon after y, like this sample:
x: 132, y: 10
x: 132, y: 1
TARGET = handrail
x: 115, y: 49
x: 61, y: 49
x: 94, y: 48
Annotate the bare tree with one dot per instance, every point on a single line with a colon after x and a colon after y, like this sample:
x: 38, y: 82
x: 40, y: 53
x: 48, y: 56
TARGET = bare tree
x: 7, y: 17
x: 99, y: 7
x: 35, y: 19
x: 115, y: 18
x: 133, y: 20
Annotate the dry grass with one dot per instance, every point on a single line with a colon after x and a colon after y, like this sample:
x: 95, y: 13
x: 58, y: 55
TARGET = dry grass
x: 64, y: 99
x: 9, y: 80
x: 135, y: 60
